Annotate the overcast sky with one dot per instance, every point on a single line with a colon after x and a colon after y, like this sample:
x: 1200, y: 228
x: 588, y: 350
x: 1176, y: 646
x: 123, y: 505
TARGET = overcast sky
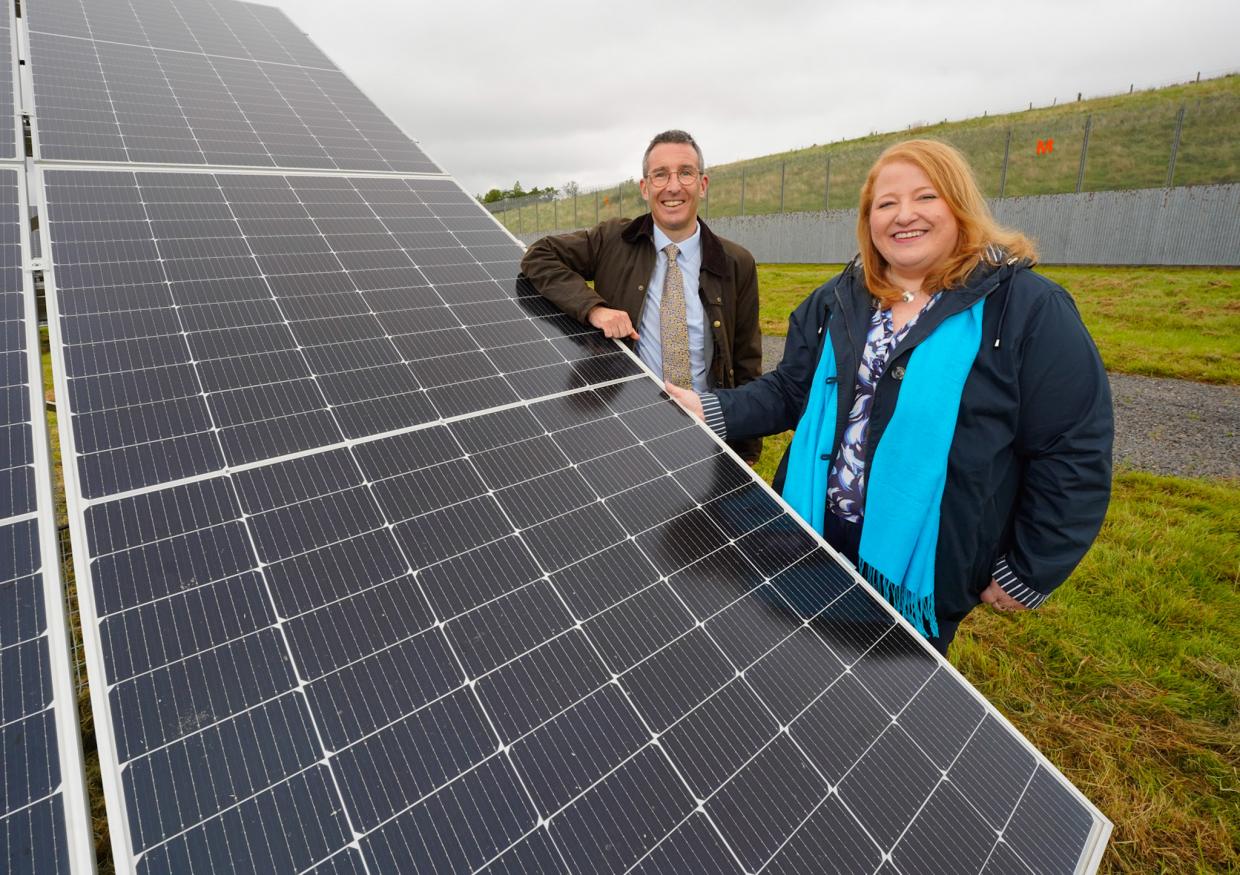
x: 546, y: 92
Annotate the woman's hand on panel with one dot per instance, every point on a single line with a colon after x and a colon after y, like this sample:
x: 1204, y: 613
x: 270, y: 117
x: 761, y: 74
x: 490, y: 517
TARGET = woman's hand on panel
x: 686, y: 398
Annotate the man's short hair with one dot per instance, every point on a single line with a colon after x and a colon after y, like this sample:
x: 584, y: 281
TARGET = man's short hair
x: 673, y: 137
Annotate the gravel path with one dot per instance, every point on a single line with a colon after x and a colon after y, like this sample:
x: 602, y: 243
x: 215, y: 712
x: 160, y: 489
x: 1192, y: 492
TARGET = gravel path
x: 1164, y: 426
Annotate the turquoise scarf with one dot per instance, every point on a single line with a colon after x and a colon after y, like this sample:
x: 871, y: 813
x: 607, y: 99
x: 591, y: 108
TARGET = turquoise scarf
x: 907, y: 472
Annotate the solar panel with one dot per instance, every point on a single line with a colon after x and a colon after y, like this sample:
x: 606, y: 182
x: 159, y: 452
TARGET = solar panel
x: 386, y: 566
x: 199, y: 83
x: 43, y: 828
x: 378, y: 543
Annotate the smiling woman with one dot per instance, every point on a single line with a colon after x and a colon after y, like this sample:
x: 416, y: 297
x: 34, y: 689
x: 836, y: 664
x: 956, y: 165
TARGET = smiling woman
x: 953, y: 420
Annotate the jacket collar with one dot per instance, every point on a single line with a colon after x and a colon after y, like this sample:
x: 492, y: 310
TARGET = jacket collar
x: 984, y: 279
x: 714, y: 260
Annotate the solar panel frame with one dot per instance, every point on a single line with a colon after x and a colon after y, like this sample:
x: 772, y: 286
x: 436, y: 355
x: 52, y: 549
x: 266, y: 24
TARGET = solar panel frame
x: 79, y: 845
x: 116, y: 802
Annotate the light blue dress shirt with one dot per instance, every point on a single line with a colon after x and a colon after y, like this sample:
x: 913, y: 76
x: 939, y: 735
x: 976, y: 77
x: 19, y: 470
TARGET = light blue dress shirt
x: 650, y: 345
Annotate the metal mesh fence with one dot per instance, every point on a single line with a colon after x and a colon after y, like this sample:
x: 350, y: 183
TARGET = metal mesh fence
x: 1162, y: 145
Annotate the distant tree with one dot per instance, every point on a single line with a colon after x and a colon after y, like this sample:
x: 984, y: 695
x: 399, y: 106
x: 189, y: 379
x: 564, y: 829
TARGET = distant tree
x: 571, y: 188
x: 497, y: 194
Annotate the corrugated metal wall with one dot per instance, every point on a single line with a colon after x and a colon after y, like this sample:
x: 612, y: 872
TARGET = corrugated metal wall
x: 1191, y: 225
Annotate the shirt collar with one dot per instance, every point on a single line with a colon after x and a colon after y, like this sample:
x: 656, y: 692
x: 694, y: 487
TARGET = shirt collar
x: 689, y: 247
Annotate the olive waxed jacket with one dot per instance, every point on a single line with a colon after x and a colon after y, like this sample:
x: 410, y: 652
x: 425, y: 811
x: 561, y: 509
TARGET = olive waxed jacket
x: 619, y: 256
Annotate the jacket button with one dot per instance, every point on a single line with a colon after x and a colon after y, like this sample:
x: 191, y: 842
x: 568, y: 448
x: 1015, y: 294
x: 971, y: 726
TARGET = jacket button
x: 718, y: 300
x: 731, y: 372
x: 897, y: 373
x: 716, y: 323
x: 826, y: 457
x: 641, y: 288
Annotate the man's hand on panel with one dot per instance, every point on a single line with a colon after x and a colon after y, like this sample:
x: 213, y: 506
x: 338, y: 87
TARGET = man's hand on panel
x: 613, y: 323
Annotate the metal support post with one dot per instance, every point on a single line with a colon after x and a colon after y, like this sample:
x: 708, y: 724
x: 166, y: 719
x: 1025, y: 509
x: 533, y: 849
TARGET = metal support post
x: 783, y: 165
x: 596, y: 218
x: 1007, y: 150
x: 1175, y: 146
x: 742, y: 191
x: 826, y: 189
x: 1080, y: 173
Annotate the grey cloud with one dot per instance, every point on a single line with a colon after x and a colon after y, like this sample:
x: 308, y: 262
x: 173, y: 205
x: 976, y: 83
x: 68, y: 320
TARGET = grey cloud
x: 550, y: 91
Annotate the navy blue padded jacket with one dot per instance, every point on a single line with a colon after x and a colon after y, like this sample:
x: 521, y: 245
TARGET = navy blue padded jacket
x: 1029, y: 469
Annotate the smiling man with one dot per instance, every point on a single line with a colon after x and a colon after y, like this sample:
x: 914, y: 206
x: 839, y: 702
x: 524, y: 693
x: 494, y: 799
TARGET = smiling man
x: 686, y: 299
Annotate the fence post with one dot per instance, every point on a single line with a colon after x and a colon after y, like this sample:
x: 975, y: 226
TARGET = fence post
x: 1080, y: 173
x: 783, y: 165
x: 706, y: 204
x: 620, y: 199
x: 1007, y: 150
x: 576, y: 197
x: 826, y: 189
x: 1175, y: 145
x: 742, y: 191
x: 537, y: 227
x: 596, y: 219
x: 555, y: 214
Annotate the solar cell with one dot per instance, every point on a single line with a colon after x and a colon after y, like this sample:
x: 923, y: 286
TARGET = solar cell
x: 199, y: 83
x: 387, y: 566
x: 42, y: 813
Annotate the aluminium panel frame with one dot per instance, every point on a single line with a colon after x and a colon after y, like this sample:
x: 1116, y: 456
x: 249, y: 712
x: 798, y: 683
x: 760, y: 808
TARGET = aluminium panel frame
x: 78, y: 827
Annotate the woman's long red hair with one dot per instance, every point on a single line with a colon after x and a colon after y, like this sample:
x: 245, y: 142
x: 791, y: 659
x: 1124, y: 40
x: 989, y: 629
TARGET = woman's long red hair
x: 953, y: 179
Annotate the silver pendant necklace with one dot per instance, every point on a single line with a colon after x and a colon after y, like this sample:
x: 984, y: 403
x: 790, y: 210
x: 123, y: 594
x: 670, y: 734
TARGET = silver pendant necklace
x: 907, y: 297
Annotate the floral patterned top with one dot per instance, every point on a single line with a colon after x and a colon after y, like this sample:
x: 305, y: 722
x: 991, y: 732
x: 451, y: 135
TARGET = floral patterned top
x: 846, y: 482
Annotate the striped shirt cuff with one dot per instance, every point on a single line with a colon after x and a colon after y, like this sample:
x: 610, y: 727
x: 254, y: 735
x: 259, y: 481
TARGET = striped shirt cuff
x: 714, y: 415
x: 1012, y: 585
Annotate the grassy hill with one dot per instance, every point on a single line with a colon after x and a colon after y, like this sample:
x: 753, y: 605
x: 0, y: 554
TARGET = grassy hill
x: 1130, y: 141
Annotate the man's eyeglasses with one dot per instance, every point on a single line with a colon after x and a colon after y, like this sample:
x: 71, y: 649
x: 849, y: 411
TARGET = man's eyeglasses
x: 660, y: 178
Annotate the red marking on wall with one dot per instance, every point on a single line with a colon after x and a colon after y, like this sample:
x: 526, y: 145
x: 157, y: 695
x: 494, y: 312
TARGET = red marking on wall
x: 1045, y: 147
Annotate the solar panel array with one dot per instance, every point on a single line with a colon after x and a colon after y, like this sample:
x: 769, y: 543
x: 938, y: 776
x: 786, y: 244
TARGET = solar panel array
x: 387, y: 566
x: 41, y: 792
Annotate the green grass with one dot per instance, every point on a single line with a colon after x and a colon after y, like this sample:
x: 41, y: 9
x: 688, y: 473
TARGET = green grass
x: 1180, y: 322
x: 1129, y: 678
x: 1130, y: 141
x: 781, y: 287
